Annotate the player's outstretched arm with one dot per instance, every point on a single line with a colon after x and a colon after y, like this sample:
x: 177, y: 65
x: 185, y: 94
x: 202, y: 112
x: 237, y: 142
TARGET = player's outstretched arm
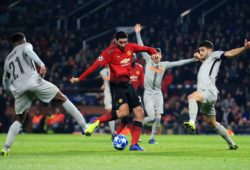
x: 237, y: 51
x: 5, y: 81
x: 100, y: 61
x: 28, y: 51
x: 138, y: 29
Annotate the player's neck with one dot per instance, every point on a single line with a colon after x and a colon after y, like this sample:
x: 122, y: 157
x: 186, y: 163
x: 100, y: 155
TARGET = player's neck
x: 18, y: 43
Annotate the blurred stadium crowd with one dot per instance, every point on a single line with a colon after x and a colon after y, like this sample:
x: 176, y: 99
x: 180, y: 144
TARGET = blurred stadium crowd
x: 53, y: 32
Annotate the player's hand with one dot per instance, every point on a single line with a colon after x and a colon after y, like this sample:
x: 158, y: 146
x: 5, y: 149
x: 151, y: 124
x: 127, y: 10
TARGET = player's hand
x: 247, y: 44
x: 74, y: 80
x: 42, y: 71
x: 138, y: 28
x: 197, y: 56
x: 155, y: 57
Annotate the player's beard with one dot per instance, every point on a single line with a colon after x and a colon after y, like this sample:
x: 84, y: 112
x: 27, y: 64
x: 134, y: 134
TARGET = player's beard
x: 121, y: 47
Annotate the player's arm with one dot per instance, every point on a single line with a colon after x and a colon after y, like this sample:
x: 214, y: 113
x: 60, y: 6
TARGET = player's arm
x: 237, y: 51
x: 5, y: 80
x: 6, y: 83
x: 141, y: 77
x: 178, y: 63
x: 101, y: 61
x: 140, y: 42
x: 28, y: 51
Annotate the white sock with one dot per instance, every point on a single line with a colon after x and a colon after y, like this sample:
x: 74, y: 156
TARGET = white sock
x: 155, y: 126
x: 193, y: 110
x: 223, y: 133
x: 72, y: 110
x: 13, y: 131
x: 112, y: 126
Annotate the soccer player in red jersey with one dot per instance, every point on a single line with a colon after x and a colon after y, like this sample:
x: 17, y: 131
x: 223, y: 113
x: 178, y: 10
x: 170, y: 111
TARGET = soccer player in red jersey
x: 119, y: 58
x: 137, y: 81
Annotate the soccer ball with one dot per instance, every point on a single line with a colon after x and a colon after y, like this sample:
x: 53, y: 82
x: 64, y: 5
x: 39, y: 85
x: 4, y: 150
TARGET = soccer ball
x: 120, y: 142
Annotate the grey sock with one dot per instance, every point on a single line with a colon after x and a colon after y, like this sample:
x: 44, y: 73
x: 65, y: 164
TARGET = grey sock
x: 112, y: 126
x: 72, y: 110
x: 13, y: 131
x: 156, y: 126
x: 223, y: 132
x: 193, y: 110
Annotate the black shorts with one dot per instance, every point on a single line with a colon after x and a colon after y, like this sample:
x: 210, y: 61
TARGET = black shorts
x: 123, y: 93
x: 127, y: 120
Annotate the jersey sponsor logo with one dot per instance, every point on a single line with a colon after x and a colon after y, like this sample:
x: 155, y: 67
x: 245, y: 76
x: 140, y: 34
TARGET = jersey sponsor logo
x: 100, y: 58
x: 129, y: 53
x: 133, y: 78
x: 125, y: 62
x: 157, y: 70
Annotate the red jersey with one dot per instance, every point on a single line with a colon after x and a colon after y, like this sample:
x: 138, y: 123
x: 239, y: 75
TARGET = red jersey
x: 137, y: 76
x: 119, y: 61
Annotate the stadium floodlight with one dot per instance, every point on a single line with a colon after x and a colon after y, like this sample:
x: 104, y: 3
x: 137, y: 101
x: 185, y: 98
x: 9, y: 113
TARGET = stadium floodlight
x: 183, y: 14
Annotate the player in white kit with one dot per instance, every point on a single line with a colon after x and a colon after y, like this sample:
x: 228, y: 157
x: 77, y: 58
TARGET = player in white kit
x: 22, y: 81
x: 206, y: 94
x: 105, y: 74
x: 153, y: 98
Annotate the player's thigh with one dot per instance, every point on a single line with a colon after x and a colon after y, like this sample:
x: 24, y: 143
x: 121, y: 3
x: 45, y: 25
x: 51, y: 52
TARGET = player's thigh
x: 133, y: 100
x: 197, y: 95
x: 207, y: 108
x: 23, y: 102
x: 149, y: 104
x: 45, y: 91
x: 118, y: 96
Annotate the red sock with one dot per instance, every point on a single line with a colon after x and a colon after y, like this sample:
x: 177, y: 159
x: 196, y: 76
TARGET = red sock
x: 105, y: 118
x: 136, y: 132
x: 130, y: 127
x: 120, y: 127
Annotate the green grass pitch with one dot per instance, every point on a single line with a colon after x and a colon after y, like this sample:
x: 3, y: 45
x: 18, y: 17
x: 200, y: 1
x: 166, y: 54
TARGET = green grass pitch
x: 174, y: 152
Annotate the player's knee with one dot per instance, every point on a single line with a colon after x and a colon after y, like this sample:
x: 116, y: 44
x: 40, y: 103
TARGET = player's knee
x: 60, y: 97
x: 123, y: 111
x: 151, y: 118
x: 20, y: 118
x: 139, y: 113
x: 158, y: 118
x: 211, y: 122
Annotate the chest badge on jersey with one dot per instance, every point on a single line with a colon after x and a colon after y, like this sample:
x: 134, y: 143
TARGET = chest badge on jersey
x: 137, y: 72
x: 129, y: 53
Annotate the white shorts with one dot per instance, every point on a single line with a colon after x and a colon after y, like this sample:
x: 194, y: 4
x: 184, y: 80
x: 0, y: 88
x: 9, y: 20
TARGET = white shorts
x: 207, y: 105
x: 153, y: 103
x: 42, y: 89
x: 107, y: 100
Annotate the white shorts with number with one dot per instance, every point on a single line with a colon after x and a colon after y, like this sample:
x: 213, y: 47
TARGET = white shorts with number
x: 153, y: 103
x: 209, y: 100
x: 40, y: 89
